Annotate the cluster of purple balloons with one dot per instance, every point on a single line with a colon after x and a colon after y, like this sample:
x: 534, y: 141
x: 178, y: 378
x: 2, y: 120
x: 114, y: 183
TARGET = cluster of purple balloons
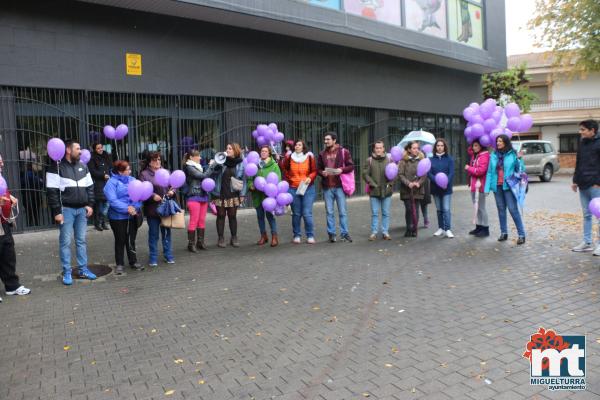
x: 276, y: 192
x: 488, y: 120
x: 267, y: 134
x: 140, y: 191
x: 251, y: 164
x: 117, y: 133
x: 163, y: 178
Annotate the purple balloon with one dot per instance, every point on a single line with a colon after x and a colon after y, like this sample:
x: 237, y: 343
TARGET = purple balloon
x: 397, y: 152
x: 208, y: 185
x: 269, y: 204
x: 512, y: 110
x: 496, y: 132
x: 278, y: 137
x: 469, y: 113
x: 497, y: 116
x: 135, y: 190
x: 477, y: 119
x: 489, y: 124
x: 508, y: 133
x: 475, y: 107
x: 283, y: 187
x: 261, y: 141
x: 279, y: 210
x: 161, y: 177
x: 468, y: 132
x: 271, y: 190
x: 486, y: 109
x: 273, y: 127
x: 260, y: 183
x: 147, y: 190
x: 3, y: 186
x: 177, y: 179
x: 594, y: 207
x: 441, y: 179
x: 514, y: 123
x: 423, y: 167
x: 477, y: 130
x: 255, y: 134
x: 391, y: 171
x: 56, y: 149
x: 121, y: 131
x: 253, y: 157
x: 427, y: 149
x: 263, y: 129
x: 526, y: 122
x: 491, y: 101
x: 282, y: 199
x: 272, y: 178
x: 85, y: 156
x: 485, y: 141
x: 251, y: 170
x: 289, y: 198
x: 109, y: 132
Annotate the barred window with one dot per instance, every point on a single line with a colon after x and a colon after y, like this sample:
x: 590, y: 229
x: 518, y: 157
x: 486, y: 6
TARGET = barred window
x: 569, y: 142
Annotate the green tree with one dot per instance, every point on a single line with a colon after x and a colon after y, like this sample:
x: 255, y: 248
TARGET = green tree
x: 571, y: 28
x: 509, y: 86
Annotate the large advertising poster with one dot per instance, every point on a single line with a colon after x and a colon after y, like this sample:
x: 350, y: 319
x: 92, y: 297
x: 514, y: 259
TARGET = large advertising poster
x: 427, y: 16
x: 387, y: 11
x: 466, y: 22
x: 335, y: 4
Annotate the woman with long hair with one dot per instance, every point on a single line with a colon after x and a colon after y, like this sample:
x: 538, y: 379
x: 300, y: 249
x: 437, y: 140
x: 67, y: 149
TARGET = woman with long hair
x: 266, y: 165
x: 123, y: 214
x: 151, y: 165
x: 229, y: 193
x: 196, y: 198
x: 300, y: 169
x: 442, y: 162
x: 380, y: 190
x: 503, y: 164
x: 477, y: 171
x: 412, y: 188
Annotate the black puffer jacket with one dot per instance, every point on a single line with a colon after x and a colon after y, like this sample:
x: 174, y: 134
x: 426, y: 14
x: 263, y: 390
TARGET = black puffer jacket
x: 73, y: 186
x: 99, y: 166
x: 587, y: 167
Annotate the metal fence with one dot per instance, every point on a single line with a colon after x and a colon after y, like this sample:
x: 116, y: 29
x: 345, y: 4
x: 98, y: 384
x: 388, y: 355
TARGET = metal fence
x: 567, y: 104
x: 175, y: 124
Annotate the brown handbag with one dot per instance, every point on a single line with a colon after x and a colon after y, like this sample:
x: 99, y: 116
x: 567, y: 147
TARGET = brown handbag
x: 176, y: 221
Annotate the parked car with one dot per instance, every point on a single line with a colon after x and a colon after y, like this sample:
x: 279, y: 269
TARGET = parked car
x: 540, y: 158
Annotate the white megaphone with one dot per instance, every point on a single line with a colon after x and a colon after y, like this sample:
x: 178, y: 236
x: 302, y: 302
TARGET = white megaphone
x: 220, y: 158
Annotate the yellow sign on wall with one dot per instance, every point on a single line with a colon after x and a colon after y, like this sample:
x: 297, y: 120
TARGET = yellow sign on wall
x: 133, y: 64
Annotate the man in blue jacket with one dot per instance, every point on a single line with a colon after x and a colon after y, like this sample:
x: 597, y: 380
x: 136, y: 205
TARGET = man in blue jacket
x: 70, y: 192
x: 587, y: 179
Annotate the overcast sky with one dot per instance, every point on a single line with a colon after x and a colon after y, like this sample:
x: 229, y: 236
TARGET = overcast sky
x: 519, y: 39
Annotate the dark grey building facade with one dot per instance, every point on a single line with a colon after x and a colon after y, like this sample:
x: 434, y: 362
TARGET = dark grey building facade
x: 212, y: 70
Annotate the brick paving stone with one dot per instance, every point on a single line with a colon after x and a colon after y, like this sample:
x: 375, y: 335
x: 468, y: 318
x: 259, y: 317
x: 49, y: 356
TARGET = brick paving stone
x: 307, y: 322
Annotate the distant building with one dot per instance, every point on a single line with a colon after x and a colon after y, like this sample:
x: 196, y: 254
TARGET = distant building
x: 562, y: 103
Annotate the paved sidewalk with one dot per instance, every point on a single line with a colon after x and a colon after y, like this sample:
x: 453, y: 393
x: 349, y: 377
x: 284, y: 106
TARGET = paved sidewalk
x: 422, y: 318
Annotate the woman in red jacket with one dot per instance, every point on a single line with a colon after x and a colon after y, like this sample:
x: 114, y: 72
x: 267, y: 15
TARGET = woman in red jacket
x: 477, y: 170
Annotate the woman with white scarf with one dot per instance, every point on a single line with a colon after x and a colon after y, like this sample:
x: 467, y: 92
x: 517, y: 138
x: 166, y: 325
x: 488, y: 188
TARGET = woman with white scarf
x: 197, y: 198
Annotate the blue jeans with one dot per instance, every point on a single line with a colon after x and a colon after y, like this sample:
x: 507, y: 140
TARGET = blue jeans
x: 302, y: 207
x: 443, y: 205
x: 153, y: 229
x: 383, y: 204
x: 260, y: 216
x: 585, y: 196
x: 75, y: 221
x: 337, y: 195
x: 504, y: 199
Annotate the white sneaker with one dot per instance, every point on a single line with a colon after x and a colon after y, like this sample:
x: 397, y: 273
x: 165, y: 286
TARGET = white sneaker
x: 597, y: 250
x: 449, y: 234
x: 0, y: 299
x: 439, y: 232
x: 297, y: 240
x: 20, y: 291
x: 311, y: 240
x: 583, y: 246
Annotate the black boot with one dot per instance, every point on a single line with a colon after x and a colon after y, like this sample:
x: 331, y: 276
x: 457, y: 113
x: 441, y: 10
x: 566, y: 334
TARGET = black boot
x: 521, y: 240
x: 192, y: 241
x: 476, y: 230
x: 200, y: 239
x: 483, y: 232
x: 503, y: 237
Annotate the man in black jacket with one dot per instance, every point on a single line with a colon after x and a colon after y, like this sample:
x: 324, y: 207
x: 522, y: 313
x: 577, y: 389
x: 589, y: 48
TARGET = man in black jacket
x: 587, y: 179
x: 70, y: 191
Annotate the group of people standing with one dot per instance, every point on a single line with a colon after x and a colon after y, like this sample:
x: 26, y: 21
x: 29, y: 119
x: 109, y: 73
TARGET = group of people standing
x: 486, y: 171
